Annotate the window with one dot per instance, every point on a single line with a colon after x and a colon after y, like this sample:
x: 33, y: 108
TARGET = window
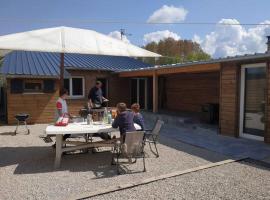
x: 33, y: 86
x: 75, y: 86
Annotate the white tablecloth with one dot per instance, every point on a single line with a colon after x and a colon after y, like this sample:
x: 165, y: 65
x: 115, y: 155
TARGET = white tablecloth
x: 80, y: 128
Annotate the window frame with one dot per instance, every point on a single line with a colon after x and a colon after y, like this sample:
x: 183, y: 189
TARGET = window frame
x: 70, y: 92
x: 28, y: 91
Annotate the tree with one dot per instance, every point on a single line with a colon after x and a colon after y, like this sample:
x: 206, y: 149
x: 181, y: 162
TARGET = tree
x: 176, y: 51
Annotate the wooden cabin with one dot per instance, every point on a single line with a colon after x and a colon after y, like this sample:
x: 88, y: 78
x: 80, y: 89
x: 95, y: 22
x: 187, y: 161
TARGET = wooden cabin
x: 32, y: 82
x: 237, y: 86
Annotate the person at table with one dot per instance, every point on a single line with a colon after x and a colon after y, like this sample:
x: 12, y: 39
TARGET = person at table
x: 95, y: 96
x: 61, y: 107
x: 138, y: 118
x: 124, y: 120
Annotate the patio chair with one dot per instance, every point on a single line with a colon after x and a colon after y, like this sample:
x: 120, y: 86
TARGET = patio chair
x: 132, y: 148
x: 151, y: 136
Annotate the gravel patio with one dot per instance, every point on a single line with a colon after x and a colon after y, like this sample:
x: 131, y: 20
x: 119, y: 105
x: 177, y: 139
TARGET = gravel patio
x: 26, y: 170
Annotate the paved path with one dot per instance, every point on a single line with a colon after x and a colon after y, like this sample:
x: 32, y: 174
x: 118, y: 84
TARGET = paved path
x: 210, y: 140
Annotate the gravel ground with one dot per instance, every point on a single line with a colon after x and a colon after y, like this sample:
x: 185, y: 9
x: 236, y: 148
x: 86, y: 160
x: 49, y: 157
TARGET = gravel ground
x: 26, y: 167
x: 231, y: 181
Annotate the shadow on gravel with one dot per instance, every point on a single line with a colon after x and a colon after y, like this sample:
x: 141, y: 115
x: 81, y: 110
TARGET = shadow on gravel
x: 31, y: 160
x: 6, y: 133
x: 256, y: 163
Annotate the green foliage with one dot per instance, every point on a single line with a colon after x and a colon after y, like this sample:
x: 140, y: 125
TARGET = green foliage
x: 176, y: 51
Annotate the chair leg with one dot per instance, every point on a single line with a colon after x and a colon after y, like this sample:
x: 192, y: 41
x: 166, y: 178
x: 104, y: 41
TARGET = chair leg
x: 150, y: 146
x: 155, y: 144
x: 144, y: 168
x: 117, y: 163
x: 113, y: 152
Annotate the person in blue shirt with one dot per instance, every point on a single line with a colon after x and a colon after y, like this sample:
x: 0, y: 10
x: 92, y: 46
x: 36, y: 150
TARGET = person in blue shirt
x: 138, y: 118
x: 95, y: 96
x: 124, y: 120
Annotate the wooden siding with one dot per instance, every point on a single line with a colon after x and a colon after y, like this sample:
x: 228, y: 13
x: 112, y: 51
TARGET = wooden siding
x: 229, y: 97
x: 187, y: 92
x: 173, y: 70
x: 119, y: 90
x: 41, y: 107
x: 190, y: 69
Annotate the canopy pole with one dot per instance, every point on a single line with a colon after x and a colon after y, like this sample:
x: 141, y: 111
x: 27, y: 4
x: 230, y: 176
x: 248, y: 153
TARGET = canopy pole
x: 62, y: 60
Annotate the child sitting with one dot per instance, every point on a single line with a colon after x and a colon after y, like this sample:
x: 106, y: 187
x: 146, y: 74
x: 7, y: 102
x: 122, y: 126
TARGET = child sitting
x: 138, y: 118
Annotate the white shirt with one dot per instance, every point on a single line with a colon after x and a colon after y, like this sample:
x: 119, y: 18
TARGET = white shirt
x: 61, y: 104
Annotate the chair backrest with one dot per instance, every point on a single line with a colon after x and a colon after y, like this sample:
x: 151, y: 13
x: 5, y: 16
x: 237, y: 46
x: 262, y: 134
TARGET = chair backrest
x: 157, y: 127
x: 134, y: 142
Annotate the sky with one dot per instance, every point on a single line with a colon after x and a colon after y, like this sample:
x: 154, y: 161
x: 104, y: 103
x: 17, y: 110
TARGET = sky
x: 217, y: 40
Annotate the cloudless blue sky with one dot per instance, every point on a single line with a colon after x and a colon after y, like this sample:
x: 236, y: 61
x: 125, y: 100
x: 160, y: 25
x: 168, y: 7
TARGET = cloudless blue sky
x: 245, y: 11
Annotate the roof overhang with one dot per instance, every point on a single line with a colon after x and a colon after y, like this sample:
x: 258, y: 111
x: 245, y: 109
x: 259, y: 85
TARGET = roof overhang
x: 195, y: 68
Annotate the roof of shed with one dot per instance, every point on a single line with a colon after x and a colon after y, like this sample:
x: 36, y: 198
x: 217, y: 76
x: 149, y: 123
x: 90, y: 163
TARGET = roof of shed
x: 28, y: 63
x: 237, y: 58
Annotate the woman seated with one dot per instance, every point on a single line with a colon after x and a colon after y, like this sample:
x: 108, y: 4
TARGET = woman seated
x: 124, y: 120
x: 138, y: 118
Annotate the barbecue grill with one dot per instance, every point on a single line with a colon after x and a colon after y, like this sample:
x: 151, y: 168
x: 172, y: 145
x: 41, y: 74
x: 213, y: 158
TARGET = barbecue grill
x: 21, y: 119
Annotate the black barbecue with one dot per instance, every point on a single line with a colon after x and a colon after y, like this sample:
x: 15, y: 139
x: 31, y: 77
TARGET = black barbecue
x: 21, y: 119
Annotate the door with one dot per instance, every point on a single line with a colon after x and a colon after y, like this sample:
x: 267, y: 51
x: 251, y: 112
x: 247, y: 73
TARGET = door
x: 252, y: 101
x: 139, y: 92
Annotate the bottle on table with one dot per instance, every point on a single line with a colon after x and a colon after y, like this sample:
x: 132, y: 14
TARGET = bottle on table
x: 109, y: 118
x: 89, y: 119
x: 105, y: 116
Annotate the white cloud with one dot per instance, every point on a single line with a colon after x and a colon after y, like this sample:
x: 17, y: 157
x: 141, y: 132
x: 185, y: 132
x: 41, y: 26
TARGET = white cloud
x: 117, y: 35
x: 168, y: 14
x: 233, y: 40
x: 197, y: 38
x: 160, y: 35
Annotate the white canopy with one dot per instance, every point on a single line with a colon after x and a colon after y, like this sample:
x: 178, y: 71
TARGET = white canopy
x: 71, y: 40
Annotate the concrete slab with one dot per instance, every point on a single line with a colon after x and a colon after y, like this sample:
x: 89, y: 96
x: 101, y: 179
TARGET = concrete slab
x: 206, y: 136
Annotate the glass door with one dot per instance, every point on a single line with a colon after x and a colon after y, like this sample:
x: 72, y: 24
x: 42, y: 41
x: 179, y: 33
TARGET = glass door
x: 139, y: 92
x: 252, y: 106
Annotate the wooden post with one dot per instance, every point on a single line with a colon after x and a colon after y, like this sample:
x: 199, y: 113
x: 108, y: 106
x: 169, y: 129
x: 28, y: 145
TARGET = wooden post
x: 62, y: 63
x: 155, y: 92
x: 266, y: 115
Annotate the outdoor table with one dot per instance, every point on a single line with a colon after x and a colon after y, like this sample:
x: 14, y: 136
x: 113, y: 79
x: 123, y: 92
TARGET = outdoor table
x: 78, y: 129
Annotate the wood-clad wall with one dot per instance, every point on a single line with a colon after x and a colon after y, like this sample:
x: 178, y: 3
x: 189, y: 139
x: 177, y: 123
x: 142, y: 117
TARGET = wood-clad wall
x: 187, y: 92
x: 229, y: 99
x: 119, y: 90
x: 41, y: 107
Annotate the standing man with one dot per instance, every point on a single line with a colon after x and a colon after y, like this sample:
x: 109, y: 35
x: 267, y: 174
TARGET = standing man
x: 95, y: 96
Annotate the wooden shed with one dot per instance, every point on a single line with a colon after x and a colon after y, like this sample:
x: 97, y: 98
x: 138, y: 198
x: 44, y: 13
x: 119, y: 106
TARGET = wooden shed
x: 32, y: 82
x: 238, y: 85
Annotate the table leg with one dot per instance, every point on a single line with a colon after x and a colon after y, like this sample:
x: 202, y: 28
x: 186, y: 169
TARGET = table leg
x: 58, y: 153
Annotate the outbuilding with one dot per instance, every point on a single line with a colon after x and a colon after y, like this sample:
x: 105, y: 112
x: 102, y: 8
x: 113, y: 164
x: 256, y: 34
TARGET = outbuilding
x: 238, y: 86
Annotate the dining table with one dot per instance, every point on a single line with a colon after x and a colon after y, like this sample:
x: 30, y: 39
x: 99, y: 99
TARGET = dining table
x: 80, y: 128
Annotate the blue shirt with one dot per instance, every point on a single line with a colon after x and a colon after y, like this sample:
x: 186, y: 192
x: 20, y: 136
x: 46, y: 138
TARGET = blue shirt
x: 95, y: 95
x: 124, y: 121
x: 138, y: 119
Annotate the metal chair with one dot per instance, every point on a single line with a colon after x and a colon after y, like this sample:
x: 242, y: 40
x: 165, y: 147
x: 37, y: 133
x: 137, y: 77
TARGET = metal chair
x: 151, y: 136
x: 132, y: 148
